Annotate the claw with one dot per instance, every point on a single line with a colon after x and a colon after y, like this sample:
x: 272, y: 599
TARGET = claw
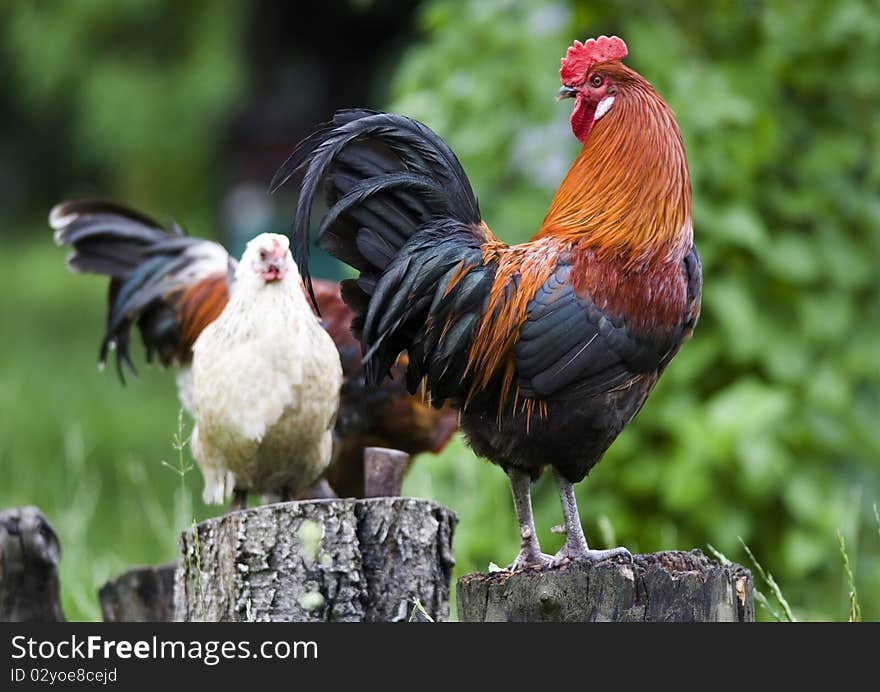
x: 568, y: 554
x: 527, y: 559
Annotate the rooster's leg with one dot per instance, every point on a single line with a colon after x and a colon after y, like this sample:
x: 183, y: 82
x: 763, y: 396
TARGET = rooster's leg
x: 239, y: 500
x: 576, y: 548
x: 530, y: 551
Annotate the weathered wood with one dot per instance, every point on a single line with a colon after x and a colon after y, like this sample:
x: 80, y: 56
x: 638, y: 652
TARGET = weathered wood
x: 406, y: 552
x: 667, y: 587
x: 142, y: 594
x: 383, y: 471
x: 320, y: 560
x: 29, y: 555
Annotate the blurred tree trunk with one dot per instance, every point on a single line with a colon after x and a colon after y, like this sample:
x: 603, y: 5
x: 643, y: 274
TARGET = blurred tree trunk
x: 29, y: 555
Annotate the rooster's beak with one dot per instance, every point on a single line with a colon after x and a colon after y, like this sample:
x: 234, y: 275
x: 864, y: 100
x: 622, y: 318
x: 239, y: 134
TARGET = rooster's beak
x: 566, y: 92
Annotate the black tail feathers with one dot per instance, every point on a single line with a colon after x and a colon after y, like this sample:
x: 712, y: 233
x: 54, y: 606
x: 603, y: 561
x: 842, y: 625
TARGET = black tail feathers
x: 383, y: 177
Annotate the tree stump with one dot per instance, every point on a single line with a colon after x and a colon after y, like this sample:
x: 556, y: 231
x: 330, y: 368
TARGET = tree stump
x: 319, y: 560
x: 29, y: 555
x: 667, y: 587
x: 142, y: 594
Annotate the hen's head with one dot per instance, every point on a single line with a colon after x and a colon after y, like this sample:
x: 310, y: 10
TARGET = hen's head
x: 266, y: 260
x: 593, y: 76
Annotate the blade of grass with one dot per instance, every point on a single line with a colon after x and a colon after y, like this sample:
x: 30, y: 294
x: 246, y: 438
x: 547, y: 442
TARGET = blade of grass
x: 855, y: 610
x: 419, y: 609
x: 179, y: 442
x: 718, y: 555
x: 771, y: 582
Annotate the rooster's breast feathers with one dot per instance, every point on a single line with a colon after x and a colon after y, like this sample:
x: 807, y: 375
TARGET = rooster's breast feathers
x: 580, y: 340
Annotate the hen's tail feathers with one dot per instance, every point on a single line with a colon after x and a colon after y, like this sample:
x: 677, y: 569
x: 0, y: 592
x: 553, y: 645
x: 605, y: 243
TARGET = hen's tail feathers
x: 146, y: 264
x: 384, y: 177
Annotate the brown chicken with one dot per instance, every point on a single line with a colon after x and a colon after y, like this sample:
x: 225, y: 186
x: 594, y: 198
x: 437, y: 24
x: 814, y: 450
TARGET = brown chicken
x: 173, y: 286
x: 385, y: 416
x: 548, y: 348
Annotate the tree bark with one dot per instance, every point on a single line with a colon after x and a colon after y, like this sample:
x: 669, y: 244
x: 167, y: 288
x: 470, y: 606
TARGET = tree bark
x: 314, y: 561
x: 668, y: 587
x: 142, y: 594
x: 29, y: 555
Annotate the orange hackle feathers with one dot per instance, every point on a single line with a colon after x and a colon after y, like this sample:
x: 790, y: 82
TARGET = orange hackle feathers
x: 580, y: 57
x: 628, y: 192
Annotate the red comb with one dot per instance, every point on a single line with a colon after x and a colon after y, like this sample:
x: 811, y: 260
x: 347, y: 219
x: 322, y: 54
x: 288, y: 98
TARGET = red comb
x: 581, y: 56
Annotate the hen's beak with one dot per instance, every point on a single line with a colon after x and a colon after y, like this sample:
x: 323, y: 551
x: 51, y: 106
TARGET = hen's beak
x: 272, y: 273
x: 566, y: 92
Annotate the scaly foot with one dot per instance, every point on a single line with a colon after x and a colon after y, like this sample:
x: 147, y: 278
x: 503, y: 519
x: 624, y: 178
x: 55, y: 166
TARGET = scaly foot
x: 529, y: 559
x: 530, y: 555
x: 569, y: 553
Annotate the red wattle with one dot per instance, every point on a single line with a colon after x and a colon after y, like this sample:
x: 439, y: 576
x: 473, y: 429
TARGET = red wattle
x: 582, y: 119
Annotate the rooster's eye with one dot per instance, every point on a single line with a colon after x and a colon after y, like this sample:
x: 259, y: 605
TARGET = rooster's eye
x: 262, y: 255
x: 596, y: 80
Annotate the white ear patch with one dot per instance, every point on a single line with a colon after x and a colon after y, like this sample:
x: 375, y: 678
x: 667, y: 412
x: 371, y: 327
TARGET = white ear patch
x: 603, y: 107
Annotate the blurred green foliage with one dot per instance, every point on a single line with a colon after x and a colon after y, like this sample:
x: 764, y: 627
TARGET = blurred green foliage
x: 141, y: 88
x: 765, y: 425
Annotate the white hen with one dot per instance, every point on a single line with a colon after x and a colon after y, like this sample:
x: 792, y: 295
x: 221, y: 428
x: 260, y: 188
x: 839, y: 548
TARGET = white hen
x: 265, y: 383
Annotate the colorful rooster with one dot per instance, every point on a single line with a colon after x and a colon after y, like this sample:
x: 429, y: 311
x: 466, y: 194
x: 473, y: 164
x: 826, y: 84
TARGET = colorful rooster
x: 548, y: 348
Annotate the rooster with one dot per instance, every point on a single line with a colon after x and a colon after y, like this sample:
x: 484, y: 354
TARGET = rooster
x: 173, y: 286
x: 548, y: 348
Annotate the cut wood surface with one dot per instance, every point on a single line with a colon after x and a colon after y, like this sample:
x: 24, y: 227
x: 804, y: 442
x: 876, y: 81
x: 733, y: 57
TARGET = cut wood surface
x: 318, y: 560
x: 668, y: 586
